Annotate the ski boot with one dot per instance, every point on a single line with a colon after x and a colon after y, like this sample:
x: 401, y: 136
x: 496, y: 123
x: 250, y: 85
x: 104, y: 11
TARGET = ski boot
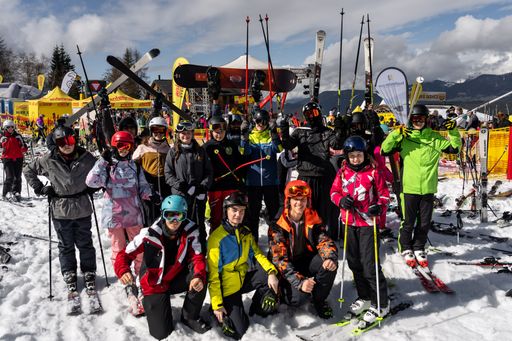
x: 135, y: 306
x: 409, y: 258
x: 323, y: 309
x: 421, y: 258
x: 372, y: 315
x: 357, y: 308
x: 16, y: 197
x: 74, y: 306
x: 199, y: 326
x: 90, y: 286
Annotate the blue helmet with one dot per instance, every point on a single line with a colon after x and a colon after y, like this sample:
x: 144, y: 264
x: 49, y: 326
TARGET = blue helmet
x: 354, y: 143
x: 174, y: 203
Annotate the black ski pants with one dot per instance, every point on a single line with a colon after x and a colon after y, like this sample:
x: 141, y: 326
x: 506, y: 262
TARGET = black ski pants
x: 196, y: 212
x: 309, y: 268
x: 71, y: 233
x: 321, y: 202
x: 12, y: 181
x: 254, y: 280
x: 256, y: 194
x: 361, y: 260
x: 417, y: 212
x: 158, y: 306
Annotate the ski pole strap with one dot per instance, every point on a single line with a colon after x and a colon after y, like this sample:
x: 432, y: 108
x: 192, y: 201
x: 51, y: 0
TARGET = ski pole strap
x: 217, y: 152
x: 267, y: 157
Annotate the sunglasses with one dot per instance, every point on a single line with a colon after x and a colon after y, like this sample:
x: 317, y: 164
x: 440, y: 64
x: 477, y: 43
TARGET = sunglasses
x: 173, y: 216
x: 65, y: 141
x: 299, y: 191
x: 122, y: 146
x: 218, y: 127
x: 184, y: 126
x: 158, y: 130
x: 312, y: 113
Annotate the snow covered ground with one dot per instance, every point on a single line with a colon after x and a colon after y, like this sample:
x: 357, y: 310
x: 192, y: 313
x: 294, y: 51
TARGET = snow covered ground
x: 478, y: 311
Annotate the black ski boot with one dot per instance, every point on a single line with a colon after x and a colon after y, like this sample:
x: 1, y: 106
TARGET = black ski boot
x: 70, y: 279
x: 74, y: 306
x: 323, y: 309
x: 199, y: 326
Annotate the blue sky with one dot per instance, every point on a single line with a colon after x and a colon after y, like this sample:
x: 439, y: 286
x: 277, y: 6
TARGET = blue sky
x: 438, y: 39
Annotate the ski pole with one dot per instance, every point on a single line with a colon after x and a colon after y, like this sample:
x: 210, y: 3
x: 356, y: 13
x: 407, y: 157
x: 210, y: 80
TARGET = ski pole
x: 357, y: 62
x: 267, y: 157
x: 345, y: 233
x: 375, y: 246
x: 99, y: 238
x: 217, y: 152
x: 247, y: 20
x: 342, y: 13
x: 50, y: 296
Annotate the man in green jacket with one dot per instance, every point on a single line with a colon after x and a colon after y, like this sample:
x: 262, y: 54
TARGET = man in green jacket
x: 420, y: 149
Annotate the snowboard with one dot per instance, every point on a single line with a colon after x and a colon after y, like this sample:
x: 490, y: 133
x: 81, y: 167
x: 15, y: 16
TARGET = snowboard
x: 194, y: 76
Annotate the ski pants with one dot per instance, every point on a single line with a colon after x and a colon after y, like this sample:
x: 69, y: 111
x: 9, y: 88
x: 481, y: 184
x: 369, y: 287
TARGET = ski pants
x: 361, y: 260
x: 256, y: 194
x: 71, y: 233
x: 216, y: 199
x: 254, y: 280
x: 321, y: 202
x: 158, y: 306
x: 119, y: 238
x: 417, y: 217
x: 12, y: 181
x: 196, y: 211
x: 309, y: 268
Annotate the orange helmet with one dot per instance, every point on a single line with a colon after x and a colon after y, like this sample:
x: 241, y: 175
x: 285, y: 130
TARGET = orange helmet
x: 297, y: 188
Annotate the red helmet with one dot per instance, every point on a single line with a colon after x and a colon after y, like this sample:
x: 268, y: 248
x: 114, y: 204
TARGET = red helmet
x: 122, y: 140
x: 297, y: 188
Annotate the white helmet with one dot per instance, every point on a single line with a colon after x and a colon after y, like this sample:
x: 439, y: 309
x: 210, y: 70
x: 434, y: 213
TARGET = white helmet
x: 8, y: 123
x: 158, y: 121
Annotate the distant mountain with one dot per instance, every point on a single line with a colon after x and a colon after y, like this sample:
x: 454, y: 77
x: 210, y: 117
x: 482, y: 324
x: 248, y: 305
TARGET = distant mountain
x: 468, y: 94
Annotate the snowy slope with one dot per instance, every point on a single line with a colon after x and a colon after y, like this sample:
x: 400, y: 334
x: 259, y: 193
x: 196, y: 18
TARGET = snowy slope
x: 478, y: 311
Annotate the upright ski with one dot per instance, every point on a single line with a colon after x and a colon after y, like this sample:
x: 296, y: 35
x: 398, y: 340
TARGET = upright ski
x: 141, y: 63
x: 319, y: 56
x: 483, y: 145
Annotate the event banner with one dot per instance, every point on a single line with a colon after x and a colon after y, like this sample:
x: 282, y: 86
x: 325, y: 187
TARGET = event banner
x: 391, y: 85
x: 178, y: 92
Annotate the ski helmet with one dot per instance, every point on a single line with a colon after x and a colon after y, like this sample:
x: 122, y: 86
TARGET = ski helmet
x: 157, y: 121
x: 359, y: 121
x: 297, y: 188
x: 354, y: 143
x: 237, y: 198
x: 175, y: 203
x: 122, y: 139
x: 62, y: 132
x: 8, y: 124
x: 420, y: 109
x: 128, y: 123
x: 217, y: 122
x: 312, y: 113
x: 261, y: 116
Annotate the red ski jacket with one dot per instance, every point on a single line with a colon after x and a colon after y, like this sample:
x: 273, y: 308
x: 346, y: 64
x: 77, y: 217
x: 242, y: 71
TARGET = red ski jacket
x: 155, y: 279
x: 13, y: 146
x: 367, y: 187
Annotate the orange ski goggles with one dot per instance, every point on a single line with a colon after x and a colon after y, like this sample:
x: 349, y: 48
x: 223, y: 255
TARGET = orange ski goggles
x: 298, y: 191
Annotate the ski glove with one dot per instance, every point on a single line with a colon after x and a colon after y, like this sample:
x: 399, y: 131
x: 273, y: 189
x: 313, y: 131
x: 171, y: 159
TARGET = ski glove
x: 404, y: 131
x: 374, y: 210
x: 155, y: 199
x: 228, y: 327
x: 48, y: 191
x: 347, y: 202
x: 192, y: 190
x: 449, y: 124
x: 269, y: 304
x: 107, y: 155
x: 3, y: 139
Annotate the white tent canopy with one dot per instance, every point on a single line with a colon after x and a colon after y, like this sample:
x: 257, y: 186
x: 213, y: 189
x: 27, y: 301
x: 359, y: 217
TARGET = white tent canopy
x: 254, y: 63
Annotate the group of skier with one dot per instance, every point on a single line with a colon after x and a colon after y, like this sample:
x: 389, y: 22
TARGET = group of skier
x: 155, y: 198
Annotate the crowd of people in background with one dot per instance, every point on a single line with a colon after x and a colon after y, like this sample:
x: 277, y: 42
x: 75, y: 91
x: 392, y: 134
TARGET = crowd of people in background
x: 157, y: 183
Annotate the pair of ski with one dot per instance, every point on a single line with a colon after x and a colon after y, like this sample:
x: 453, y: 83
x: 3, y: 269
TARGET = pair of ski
x: 430, y: 282
x: 75, y: 303
x: 22, y: 203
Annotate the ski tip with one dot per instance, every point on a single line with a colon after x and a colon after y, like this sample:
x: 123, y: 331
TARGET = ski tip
x: 154, y: 52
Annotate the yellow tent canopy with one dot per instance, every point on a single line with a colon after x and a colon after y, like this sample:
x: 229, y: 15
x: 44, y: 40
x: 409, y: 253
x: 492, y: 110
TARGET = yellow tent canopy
x: 55, y: 104
x: 118, y: 100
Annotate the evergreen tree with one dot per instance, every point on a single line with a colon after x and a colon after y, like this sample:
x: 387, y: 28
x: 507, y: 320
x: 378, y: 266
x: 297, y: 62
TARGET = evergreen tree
x: 7, y: 63
x: 129, y: 87
x: 60, y: 65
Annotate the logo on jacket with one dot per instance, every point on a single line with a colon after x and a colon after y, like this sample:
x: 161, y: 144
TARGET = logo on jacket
x: 229, y: 150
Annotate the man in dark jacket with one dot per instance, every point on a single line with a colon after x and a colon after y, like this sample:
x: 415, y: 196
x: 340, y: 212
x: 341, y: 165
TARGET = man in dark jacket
x: 66, y: 168
x: 304, y: 255
x: 314, y: 166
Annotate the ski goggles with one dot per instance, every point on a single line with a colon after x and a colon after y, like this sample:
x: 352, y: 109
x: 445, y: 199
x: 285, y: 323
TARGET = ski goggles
x: 9, y: 127
x: 218, y: 127
x: 158, y: 130
x: 173, y: 216
x: 184, y: 126
x: 122, y: 146
x: 299, y: 191
x: 65, y: 141
x: 312, y: 113
x: 418, y: 118
x: 260, y: 121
